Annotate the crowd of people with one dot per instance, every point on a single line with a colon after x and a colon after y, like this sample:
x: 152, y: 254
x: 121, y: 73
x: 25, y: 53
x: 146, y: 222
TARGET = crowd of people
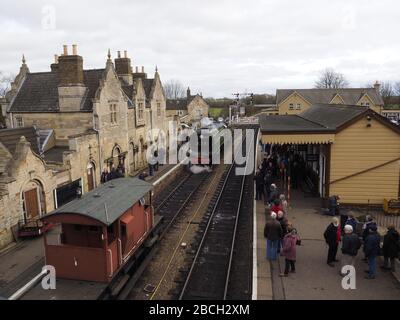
x: 369, y: 239
x: 113, y: 173
x: 282, y: 238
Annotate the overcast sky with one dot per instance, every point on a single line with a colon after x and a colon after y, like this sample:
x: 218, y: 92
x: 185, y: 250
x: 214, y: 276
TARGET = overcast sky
x: 217, y: 47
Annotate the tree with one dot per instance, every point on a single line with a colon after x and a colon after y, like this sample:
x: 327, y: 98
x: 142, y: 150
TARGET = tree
x: 330, y: 79
x: 397, y: 88
x: 174, y: 89
x: 386, y: 92
x: 5, y: 83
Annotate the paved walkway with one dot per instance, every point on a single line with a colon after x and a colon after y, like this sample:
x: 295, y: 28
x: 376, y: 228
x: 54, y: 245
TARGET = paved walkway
x: 314, y: 279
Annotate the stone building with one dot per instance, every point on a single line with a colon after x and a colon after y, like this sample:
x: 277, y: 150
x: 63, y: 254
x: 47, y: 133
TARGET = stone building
x: 86, y: 122
x: 295, y: 101
x: 190, y: 109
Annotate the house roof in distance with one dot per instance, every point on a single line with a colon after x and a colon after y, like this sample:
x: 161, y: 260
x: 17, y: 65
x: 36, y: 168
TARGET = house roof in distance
x: 350, y: 96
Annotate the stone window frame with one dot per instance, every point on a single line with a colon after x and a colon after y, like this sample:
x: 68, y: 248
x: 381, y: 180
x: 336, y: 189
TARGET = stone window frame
x: 113, y: 113
x: 298, y: 107
x: 141, y: 111
x: 158, y: 109
x: 291, y: 106
x: 19, y: 122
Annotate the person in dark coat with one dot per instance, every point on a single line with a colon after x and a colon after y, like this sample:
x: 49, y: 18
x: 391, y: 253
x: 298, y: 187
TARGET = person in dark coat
x: 332, y: 237
x: 391, y: 248
x: 274, y: 195
x: 259, y: 178
x: 369, y: 223
x: 268, y: 180
x: 371, y: 250
x: 334, y: 205
x: 352, y: 221
x: 350, y: 246
x: 273, y: 234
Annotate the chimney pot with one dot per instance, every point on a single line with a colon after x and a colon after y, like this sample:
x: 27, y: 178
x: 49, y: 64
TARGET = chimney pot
x: 142, y: 69
x: 119, y: 54
x: 65, y: 50
x: 137, y: 69
x: 56, y: 58
x: 74, y: 49
x: 125, y: 54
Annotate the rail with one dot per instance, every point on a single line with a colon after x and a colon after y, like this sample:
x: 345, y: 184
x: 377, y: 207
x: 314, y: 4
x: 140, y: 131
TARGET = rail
x: 216, y: 206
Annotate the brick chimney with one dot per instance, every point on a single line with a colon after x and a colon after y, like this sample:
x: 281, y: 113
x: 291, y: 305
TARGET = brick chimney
x: 54, y: 65
x: 141, y: 74
x: 123, y: 67
x: 71, y: 88
x: 70, y: 68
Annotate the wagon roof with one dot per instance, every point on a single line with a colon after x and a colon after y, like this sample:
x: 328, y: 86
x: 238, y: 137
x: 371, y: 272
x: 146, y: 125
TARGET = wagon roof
x: 107, y: 202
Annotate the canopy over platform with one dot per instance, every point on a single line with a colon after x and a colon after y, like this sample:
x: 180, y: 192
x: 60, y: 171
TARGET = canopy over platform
x: 317, y: 125
x: 108, y: 202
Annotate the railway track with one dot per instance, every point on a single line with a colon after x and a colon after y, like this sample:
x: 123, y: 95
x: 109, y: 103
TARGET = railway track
x: 215, y: 263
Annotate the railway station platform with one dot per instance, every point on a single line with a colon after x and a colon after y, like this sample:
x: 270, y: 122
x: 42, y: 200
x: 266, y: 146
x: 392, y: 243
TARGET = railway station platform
x: 22, y: 261
x: 314, y: 279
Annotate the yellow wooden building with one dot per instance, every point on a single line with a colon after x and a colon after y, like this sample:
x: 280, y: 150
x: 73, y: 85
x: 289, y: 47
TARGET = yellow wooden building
x: 355, y: 151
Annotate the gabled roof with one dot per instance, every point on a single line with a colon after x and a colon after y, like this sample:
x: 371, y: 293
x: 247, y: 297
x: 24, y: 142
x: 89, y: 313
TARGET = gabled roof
x: 107, y: 202
x: 350, y: 96
x: 180, y: 103
x: 39, y: 92
x: 320, y: 118
x: 10, y: 137
x: 332, y: 116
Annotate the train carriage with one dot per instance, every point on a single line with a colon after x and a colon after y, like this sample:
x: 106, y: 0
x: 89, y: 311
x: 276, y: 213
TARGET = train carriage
x: 98, y: 233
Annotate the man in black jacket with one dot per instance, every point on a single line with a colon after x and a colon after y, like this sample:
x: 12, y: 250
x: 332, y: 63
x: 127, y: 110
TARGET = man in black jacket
x: 350, y: 246
x: 332, y: 238
x: 273, y: 233
x: 371, y: 248
x: 391, y: 248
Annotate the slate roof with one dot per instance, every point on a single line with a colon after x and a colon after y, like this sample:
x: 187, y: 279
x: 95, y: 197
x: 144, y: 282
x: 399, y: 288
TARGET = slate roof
x: 39, y: 92
x: 55, y: 154
x: 10, y: 137
x: 332, y: 116
x: 318, y: 118
x: 177, y: 104
x: 118, y: 195
x: 285, y: 123
x: 350, y: 95
x: 147, y: 85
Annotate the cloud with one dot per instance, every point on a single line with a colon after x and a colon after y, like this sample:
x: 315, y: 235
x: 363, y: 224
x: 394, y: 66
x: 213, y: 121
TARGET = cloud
x: 215, y: 47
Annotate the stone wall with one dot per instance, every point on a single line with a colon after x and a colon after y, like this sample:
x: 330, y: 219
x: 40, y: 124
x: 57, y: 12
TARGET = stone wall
x: 26, y: 171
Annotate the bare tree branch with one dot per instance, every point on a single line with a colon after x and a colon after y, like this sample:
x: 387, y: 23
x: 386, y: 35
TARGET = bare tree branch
x: 174, y: 89
x: 330, y: 79
x: 5, y: 83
